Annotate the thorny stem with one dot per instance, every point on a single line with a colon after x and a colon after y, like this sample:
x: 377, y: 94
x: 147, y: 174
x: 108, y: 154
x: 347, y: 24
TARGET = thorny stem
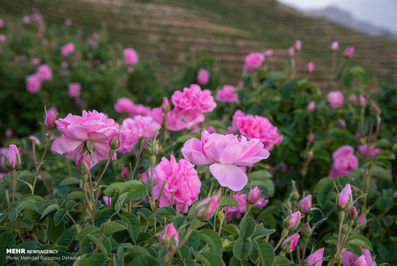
x: 137, y: 159
x: 14, y: 184
x: 104, y: 170
x: 40, y: 163
x: 341, y: 218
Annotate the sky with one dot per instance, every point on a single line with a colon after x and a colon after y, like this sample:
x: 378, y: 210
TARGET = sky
x: 381, y: 13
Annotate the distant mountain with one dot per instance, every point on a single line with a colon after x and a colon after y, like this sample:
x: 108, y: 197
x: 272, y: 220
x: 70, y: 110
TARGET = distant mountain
x: 344, y: 18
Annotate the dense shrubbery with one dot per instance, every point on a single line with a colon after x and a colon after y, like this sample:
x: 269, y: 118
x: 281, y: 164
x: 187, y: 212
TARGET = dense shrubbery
x: 272, y: 171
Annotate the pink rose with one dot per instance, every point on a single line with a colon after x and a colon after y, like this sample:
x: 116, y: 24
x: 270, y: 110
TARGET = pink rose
x: 349, y: 259
x: 334, y: 46
x: 124, y: 172
x: 310, y: 67
x: 361, y: 219
x: 372, y: 151
x: 12, y: 159
x: 269, y: 53
x: 352, y: 97
x: 305, y: 204
x: 107, y: 201
x: 253, y: 61
x: 344, y: 161
x: 74, y: 90
x: 345, y: 196
x: 68, y: 49
x: 182, y: 183
x: 203, y: 76
x: 225, y: 155
x: 311, y: 106
x: 26, y: 19
x: 125, y: 105
x: 254, y: 194
x: 238, y: 210
x: 290, y: 243
x: 169, y: 237
x: 335, y: 99
x: 316, y: 258
x: 227, y: 94
x: 293, y: 221
x: 363, y: 100
x: 50, y: 118
x: 349, y: 52
x: 35, y: 61
x: 130, y: 56
x: 133, y: 129
x: 298, y: 45
x: 257, y: 127
x: 33, y: 83
x: 3, y: 38
x: 291, y: 51
x: 207, y: 207
x: 93, y: 132
x: 44, y: 72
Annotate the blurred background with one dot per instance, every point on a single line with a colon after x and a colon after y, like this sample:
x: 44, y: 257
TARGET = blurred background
x: 174, y: 31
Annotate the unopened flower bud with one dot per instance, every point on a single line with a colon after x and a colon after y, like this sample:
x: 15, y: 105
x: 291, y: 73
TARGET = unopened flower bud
x: 305, y: 204
x: 361, y: 219
x: 107, y: 201
x: 12, y: 158
x: 169, y: 237
x: 353, y: 213
x: 316, y: 258
x: 254, y: 195
x: 345, y: 197
x: 293, y: 220
x: 124, y: 172
x: 207, y: 207
x: 83, y: 164
x: 307, y: 231
x: 290, y: 243
x: 115, y: 144
x: 50, y: 118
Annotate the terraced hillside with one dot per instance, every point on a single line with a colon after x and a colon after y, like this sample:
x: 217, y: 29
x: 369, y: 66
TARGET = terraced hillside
x: 224, y: 29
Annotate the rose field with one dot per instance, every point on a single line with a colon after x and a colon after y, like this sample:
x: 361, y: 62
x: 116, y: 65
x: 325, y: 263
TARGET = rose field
x: 107, y: 160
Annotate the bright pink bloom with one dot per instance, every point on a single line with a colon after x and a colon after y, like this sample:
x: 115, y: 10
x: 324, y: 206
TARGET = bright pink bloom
x: 169, y: 237
x: 227, y: 94
x: 316, y: 258
x: 290, y: 243
x: 349, y: 259
x: 298, y: 45
x: 211, y: 130
x: 225, y: 154
x: 310, y: 67
x: 294, y: 220
x: 12, y: 159
x: 291, y: 51
x: 238, y: 210
x: 269, y: 53
x: 334, y: 46
x: 311, y: 106
x: 74, y: 90
x: 203, y: 76
x: 44, y: 72
x: 372, y: 151
x: 93, y: 132
x: 305, y: 204
x: 107, y: 201
x: 33, y: 83
x: 261, y: 202
x: 34, y: 139
x: 125, y: 105
x: 311, y: 137
x: 257, y: 127
x: 349, y: 52
x: 68, y: 49
x: 344, y: 161
x: 363, y: 100
x: 133, y: 129
x: 124, y: 172
x: 50, y: 118
x: 130, y: 56
x: 192, y: 103
x: 254, y: 195
x: 38, y: 18
x: 253, y: 61
x: 207, y: 207
x: 335, y: 99
x: 345, y: 196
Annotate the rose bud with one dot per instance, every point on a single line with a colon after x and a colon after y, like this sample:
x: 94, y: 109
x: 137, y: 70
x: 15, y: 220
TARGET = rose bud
x: 83, y: 164
x: 361, y: 219
x: 169, y: 237
x: 307, y: 231
x: 124, y: 172
x: 363, y: 100
x: 334, y: 46
x: 345, y: 197
x: 12, y: 157
x: 50, y: 117
x: 305, y: 204
x: 353, y: 213
x: 107, y: 201
x: 290, y: 243
x: 254, y: 195
x: 316, y: 258
x: 293, y: 220
x: 207, y: 207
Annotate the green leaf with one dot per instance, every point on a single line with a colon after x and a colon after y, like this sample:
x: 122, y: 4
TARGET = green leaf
x: 113, y: 227
x: 68, y: 236
x: 387, y: 155
x: 212, y: 239
x: 133, y: 225
x: 247, y: 227
x: 120, y: 202
x: 145, y: 260
x: 54, y: 232
x: 382, y: 173
x: 210, y: 259
x: 228, y: 201
x: 93, y: 260
x: 36, y: 206
x: 281, y: 260
x: 242, y: 249
x: 360, y: 241
x: 75, y: 195
x: 136, y: 189
x: 7, y: 240
x: 265, y: 251
x: 261, y: 231
x: 69, y: 181
x: 231, y: 229
x: 89, y: 229
x: 70, y: 204
x: 259, y: 175
x: 51, y: 208
x: 59, y: 216
x: 324, y: 189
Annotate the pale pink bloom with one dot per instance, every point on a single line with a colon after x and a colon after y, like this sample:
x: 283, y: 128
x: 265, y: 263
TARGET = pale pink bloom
x: 298, y: 45
x: 345, y: 196
x: 203, y: 76
x: 33, y: 83
x: 50, y: 118
x: 227, y: 94
x: 257, y: 127
x: 44, y: 72
x: 294, y: 220
x: 312, y: 106
x: 225, y: 155
x: 107, y: 201
x: 124, y: 172
x: 349, y: 259
x: 310, y: 67
x: 12, y: 159
x: 363, y: 100
x: 74, y: 90
x: 182, y: 183
x: 26, y: 19
x: 130, y: 56
x: 261, y: 202
x: 253, y: 61
x: 1, y: 23
x: 335, y: 99
x: 125, y: 105
x: 35, y: 61
x: 291, y: 51
x: 349, y: 52
x: 192, y: 103
x: 8, y: 132
x: 68, y: 49
x: 169, y: 237
x: 316, y: 258
x: 344, y: 161
x: 174, y: 123
x: 34, y: 139
x: 133, y: 129
x: 372, y: 151
x: 207, y: 207
x: 352, y: 97
x: 238, y: 210
x: 269, y: 53
x: 93, y: 131
x: 334, y: 46
x: 305, y: 204
x: 361, y: 219
x: 3, y: 38
x: 290, y: 243
x: 211, y: 130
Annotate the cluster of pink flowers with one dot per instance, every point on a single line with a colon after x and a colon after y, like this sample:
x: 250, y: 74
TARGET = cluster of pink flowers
x: 130, y: 56
x: 203, y: 76
x: 335, y: 99
x: 344, y: 161
x: 227, y: 94
x: 133, y: 129
x: 174, y: 123
x: 253, y: 61
x: 225, y: 155
x: 125, y: 105
x: 67, y: 49
x: 349, y: 259
x: 368, y: 151
x: 89, y: 135
x: 182, y: 184
x: 257, y: 127
x: 34, y: 81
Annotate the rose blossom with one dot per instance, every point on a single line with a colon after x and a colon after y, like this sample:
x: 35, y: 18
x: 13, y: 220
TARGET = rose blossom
x: 26, y: 19
x: 3, y: 38
x: 349, y: 52
x: 124, y: 172
x: 298, y: 45
x: 1, y: 23
x: 254, y: 195
x: 35, y: 61
x: 182, y: 183
x: 92, y: 132
x: 225, y: 155
x: 316, y: 258
x: 133, y: 129
x: 363, y: 100
x: 169, y: 237
x: 253, y: 61
x: 335, y: 99
x: 372, y: 151
x: 74, y: 90
x: 349, y: 259
x: 311, y: 106
x: 191, y: 103
x: 361, y: 219
x: 344, y: 161
x: 125, y: 105
x: 238, y: 210
x: 269, y: 53
x: 352, y: 97
x: 310, y: 67
x: 257, y: 127
x: 334, y: 46
x: 44, y: 72
x: 203, y: 76
x: 293, y: 221
x: 12, y: 159
x: 227, y: 94
x: 130, y: 56
x: 305, y: 204
x: 291, y: 51
x: 33, y: 83
x: 50, y: 118
x: 68, y: 49
x: 207, y: 207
